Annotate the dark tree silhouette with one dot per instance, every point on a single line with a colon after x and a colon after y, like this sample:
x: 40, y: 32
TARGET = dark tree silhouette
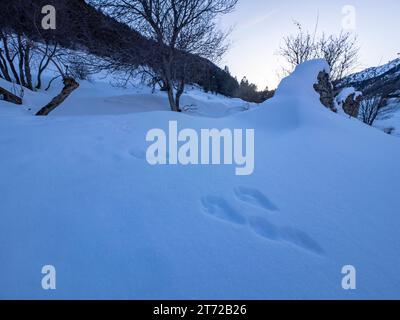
x: 178, y: 28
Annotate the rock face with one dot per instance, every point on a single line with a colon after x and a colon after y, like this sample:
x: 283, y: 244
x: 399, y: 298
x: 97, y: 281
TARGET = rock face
x: 325, y: 90
x: 351, y: 105
x: 349, y: 100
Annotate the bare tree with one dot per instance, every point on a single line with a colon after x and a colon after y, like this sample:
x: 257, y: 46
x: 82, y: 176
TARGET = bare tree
x: 370, y: 108
x: 298, y: 49
x: 25, y: 48
x: 30, y: 58
x: 178, y: 27
x: 340, y: 51
x: 15, y: 50
x: 48, y: 52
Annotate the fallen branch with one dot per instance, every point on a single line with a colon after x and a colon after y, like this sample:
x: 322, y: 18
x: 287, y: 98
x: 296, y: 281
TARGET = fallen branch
x: 10, y: 97
x: 69, y: 86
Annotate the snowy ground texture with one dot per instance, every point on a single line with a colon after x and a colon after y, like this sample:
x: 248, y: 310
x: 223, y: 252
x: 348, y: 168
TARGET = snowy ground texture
x: 76, y: 192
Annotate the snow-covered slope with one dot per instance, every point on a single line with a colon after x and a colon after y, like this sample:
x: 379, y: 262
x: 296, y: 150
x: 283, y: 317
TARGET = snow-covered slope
x: 78, y: 193
x: 101, y: 97
x: 374, y: 72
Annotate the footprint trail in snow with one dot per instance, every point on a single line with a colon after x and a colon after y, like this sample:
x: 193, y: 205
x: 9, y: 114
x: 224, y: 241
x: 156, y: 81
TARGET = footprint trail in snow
x: 219, y: 208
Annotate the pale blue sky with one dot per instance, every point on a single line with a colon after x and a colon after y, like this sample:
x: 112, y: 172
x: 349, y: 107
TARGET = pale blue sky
x: 259, y: 26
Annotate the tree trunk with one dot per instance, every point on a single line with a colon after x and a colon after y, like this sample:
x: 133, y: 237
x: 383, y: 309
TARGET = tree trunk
x: 21, y: 61
x: 28, y: 74
x: 69, y: 86
x: 39, y: 74
x: 9, y: 59
x: 168, y: 82
x: 179, y: 93
x: 39, y: 80
x: 44, y: 63
x: 4, y: 68
x: 171, y: 99
x: 10, y: 97
x: 163, y: 87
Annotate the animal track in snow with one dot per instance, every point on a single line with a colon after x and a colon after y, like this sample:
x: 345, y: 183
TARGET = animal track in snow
x: 301, y: 239
x: 296, y: 237
x: 264, y: 228
x: 254, y: 197
x: 221, y: 209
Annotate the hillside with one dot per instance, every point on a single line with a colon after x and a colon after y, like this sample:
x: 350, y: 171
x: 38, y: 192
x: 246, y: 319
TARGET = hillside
x: 100, y: 96
x: 78, y: 193
x: 382, y: 80
x: 81, y: 27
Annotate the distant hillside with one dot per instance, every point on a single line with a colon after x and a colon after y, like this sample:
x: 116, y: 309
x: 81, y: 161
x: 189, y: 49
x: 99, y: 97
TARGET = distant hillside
x: 383, y: 80
x: 81, y: 26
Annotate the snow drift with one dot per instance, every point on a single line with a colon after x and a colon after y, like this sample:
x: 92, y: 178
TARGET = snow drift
x: 77, y: 193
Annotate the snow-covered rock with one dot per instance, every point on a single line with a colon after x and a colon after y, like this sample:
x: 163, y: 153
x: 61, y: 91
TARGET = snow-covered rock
x: 373, y: 72
x: 348, y: 101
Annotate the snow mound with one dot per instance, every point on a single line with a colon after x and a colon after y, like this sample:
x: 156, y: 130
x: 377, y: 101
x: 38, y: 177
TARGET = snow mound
x: 77, y: 193
x: 300, y: 83
x: 294, y: 102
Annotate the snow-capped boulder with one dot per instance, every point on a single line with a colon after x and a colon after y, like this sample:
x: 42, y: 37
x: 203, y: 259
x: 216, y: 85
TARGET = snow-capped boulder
x: 348, y: 102
x: 324, y: 88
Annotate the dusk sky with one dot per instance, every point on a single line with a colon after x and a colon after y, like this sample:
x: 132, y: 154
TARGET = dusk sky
x: 260, y: 25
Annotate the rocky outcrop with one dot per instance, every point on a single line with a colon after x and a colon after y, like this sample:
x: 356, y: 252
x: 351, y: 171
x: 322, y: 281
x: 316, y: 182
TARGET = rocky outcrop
x: 348, y: 101
x: 351, y: 105
x: 325, y: 90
